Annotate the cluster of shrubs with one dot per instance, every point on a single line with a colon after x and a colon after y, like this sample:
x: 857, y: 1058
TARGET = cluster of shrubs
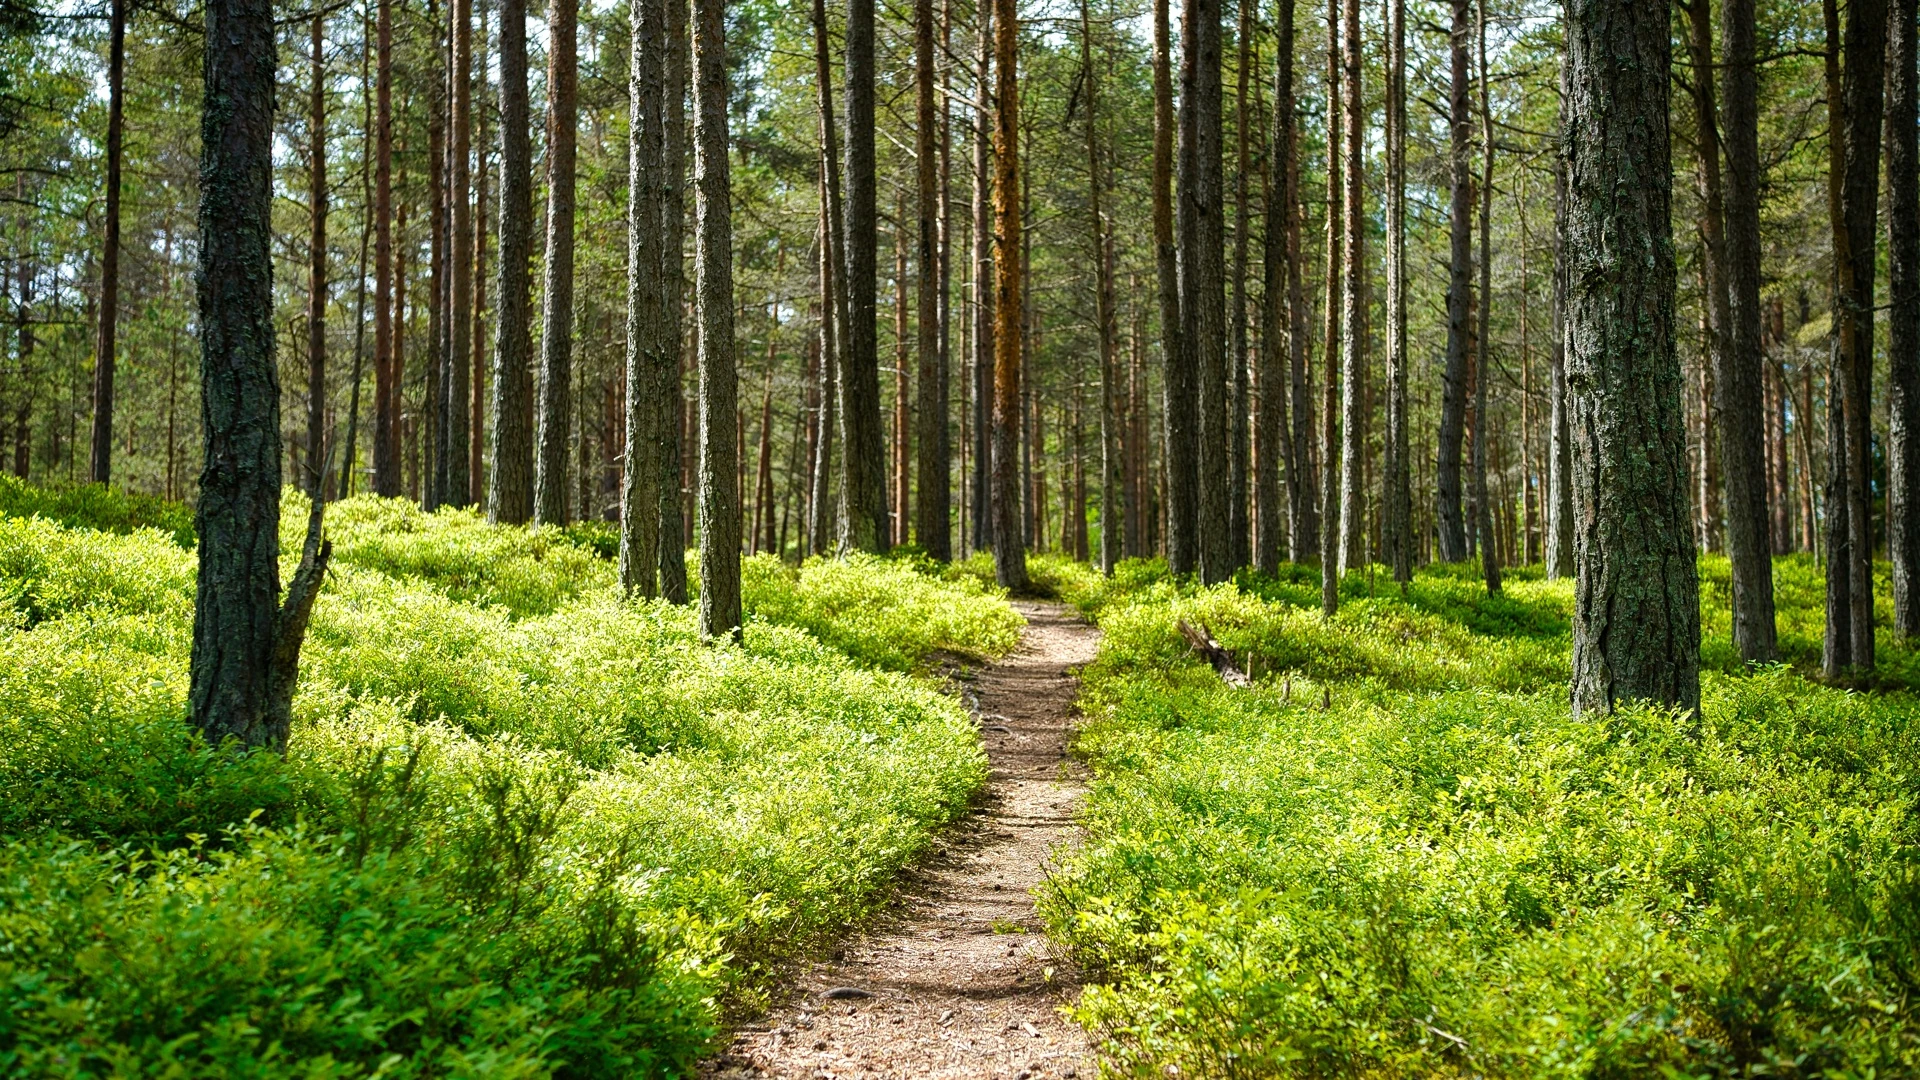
x: 1398, y: 854
x: 524, y: 826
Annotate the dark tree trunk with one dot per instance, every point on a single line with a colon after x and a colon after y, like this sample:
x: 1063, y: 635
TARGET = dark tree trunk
x: 352, y: 440
x: 386, y: 421
x: 713, y: 289
x: 439, y: 230
x: 1180, y: 382
x: 1279, y: 326
x: 1741, y: 360
x: 983, y: 321
x: 1482, y: 354
x: 649, y: 360
x: 1560, y: 448
x: 1397, y: 531
x: 672, y: 405
x: 556, y: 319
x: 1449, y: 520
x: 1203, y: 277
x: 454, y: 468
x: 317, y: 271
x: 932, y: 524
x: 1112, y: 512
x: 1303, y: 526
x: 1239, y: 552
x: 1009, y: 538
x: 1329, y: 398
x: 1353, y: 329
x: 1636, y: 626
x: 246, y: 646
x: 106, y: 349
x: 863, y: 489
x: 469, y: 388
x: 510, y: 480
x: 1903, y: 318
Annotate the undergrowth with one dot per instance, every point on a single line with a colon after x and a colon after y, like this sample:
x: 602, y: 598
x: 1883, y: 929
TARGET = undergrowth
x: 1398, y: 855
x: 524, y: 827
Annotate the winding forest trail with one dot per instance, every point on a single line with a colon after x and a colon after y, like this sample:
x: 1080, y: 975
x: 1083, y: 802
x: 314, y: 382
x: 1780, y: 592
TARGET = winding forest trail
x: 958, y: 981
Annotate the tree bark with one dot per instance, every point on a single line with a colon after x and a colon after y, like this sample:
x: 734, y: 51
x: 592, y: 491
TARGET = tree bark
x: 1329, y: 398
x: 1353, y: 332
x: 1203, y: 277
x: 1180, y: 381
x: 317, y: 269
x: 819, y: 510
x: 647, y: 357
x: 1279, y: 459
x: 1636, y: 626
x: 106, y: 349
x: 246, y: 645
x: 1482, y: 355
x: 863, y: 489
x: 386, y: 421
x: 469, y: 388
x: 1449, y: 519
x: 439, y: 289
x: 510, y: 483
x: 672, y: 431
x: 1112, y: 510
x: 1397, y: 533
x: 1903, y: 317
x: 1560, y: 449
x: 1009, y: 538
x: 1743, y: 441
x: 556, y: 319
x: 713, y: 285
x: 1239, y: 551
x: 933, y: 513
x: 983, y: 287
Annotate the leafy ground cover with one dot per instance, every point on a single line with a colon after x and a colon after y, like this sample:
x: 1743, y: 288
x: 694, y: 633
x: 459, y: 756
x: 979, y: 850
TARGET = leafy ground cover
x: 524, y: 827
x: 1397, y: 855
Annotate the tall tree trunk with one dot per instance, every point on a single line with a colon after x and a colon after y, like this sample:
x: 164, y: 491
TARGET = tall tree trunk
x: 1636, y: 624
x: 469, y: 389
x: 863, y: 489
x: 1353, y: 333
x: 556, y: 317
x: 510, y: 481
x: 935, y: 508
x: 1203, y: 277
x: 462, y: 312
x: 1303, y: 526
x: 1482, y: 352
x: 1741, y: 359
x: 1009, y: 538
x: 900, y: 483
x: 649, y: 360
x: 1397, y: 533
x: 1239, y: 552
x: 386, y: 421
x: 983, y: 287
x: 317, y: 269
x: 1278, y: 459
x: 713, y: 285
x: 1903, y: 316
x: 1180, y: 382
x: 352, y: 440
x: 1329, y: 399
x: 246, y: 645
x: 1449, y: 520
x: 1713, y: 263
x: 1112, y: 510
x: 439, y: 289
x: 1560, y: 443
x: 672, y: 432
x: 106, y: 349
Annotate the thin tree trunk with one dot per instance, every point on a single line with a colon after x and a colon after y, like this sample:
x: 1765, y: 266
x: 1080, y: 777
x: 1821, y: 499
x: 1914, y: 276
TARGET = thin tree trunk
x: 1741, y: 359
x: 1180, y: 381
x: 1353, y: 334
x: 931, y: 526
x: 469, y: 389
x: 1329, y: 401
x: 647, y: 355
x: 386, y: 447
x: 1903, y: 317
x: 983, y: 286
x: 317, y: 269
x: 1239, y: 552
x: 1636, y: 625
x: 246, y: 645
x: 713, y: 285
x: 863, y: 490
x: 1450, y: 521
x: 106, y: 349
x: 510, y: 468
x: 1303, y: 526
x: 1276, y: 461
x: 360, y: 302
x: 1482, y: 358
x: 556, y: 318
x: 675, y: 424
x: 439, y: 289
x: 820, y: 511
x: 1398, y: 531
x: 1203, y: 276
x: 1560, y: 441
x: 1009, y: 546
x: 901, y: 480
x: 1112, y: 512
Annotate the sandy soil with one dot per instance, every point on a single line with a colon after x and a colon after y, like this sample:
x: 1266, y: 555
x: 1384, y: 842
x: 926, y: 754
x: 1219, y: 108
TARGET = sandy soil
x: 957, y: 982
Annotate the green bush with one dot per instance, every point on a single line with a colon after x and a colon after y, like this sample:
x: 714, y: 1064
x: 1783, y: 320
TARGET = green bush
x: 523, y: 826
x: 1398, y: 854
x: 96, y: 506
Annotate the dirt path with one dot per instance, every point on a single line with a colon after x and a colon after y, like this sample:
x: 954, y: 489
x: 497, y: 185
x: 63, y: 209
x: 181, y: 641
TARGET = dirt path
x: 959, y: 983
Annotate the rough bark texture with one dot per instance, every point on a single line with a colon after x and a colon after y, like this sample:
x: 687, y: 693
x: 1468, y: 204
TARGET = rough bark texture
x: 983, y: 284
x: 1397, y: 531
x: 439, y: 230
x: 1329, y: 386
x: 1180, y: 383
x: 468, y: 387
x: 1560, y: 449
x: 673, y: 228
x: 1009, y: 538
x: 556, y: 319
x: 646, y: 355
x: 1303, y: 497
x: 1112, y: 510
x: 106, y: 348
x: 713, y: 289
x: 1636, y: 627
x: 316, y: 478
x: 863, y: 486
x: 1203, y: 299
x: 1482, y: 334
x: 510, y: 468
x: 1742, y: 353
x: 932, y: 524
x: 1239, y: 553
x: 246, y: 647
x: 1903, y: 317
x: 1276, y: 462
x: 386, y: 430
x: 1450, y: 523
x: 1353, y: 299
x: 820, y: 492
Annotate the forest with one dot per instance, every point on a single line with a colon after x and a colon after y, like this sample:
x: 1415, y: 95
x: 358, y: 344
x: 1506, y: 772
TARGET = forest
x: 1360, y: 540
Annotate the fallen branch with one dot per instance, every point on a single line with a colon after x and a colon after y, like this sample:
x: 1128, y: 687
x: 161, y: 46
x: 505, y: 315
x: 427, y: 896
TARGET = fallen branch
x: 1222, y: 661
